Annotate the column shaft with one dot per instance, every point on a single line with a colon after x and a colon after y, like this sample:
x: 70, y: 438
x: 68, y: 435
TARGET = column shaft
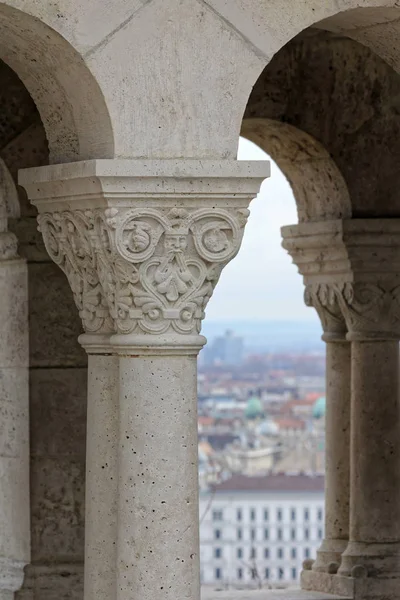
x: 14, y: 427
x: 101, y: 478
x: 375, y: 460
x: 337, y: 456
x: 158, y: 524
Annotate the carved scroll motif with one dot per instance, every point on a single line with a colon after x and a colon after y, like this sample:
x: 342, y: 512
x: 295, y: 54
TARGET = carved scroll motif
x: 150, y: 270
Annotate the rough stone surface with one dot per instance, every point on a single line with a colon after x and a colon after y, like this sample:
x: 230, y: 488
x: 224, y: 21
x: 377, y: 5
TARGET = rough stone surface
x: 348, y: 99
x: 53, y: 319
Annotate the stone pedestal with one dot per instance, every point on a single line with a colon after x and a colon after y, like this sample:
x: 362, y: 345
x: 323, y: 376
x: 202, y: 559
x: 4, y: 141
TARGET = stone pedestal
x: 143, y: 244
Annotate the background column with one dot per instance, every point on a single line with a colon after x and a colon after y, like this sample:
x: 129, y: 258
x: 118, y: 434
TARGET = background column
x: 14, y: 418
x: 337, y: 453
x: 374, y: 546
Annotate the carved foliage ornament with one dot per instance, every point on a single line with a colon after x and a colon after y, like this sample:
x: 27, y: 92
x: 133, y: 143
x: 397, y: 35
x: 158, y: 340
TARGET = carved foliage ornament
x: 367, y: 308
x: 149, y: 269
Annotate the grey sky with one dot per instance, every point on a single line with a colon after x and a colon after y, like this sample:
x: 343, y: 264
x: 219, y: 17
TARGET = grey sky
x: 261, y: 282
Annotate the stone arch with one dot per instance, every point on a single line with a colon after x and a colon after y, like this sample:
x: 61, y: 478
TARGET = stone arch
x: 347, y: 98
x: 68, y: 97
x: 318, y: 186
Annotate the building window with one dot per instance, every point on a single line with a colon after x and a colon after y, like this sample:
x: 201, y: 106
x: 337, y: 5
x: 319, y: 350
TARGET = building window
x: 306, y: 534
x: 279, y: 553
x: 320, y: 534
x: 306, y: 514
x: 240, y: 573
x: 306, y: 552
x: 217, y: 552
x: 239, y: 514
x: 266, y: 552
x: 292, y: 534
x: 253, y: 534
x: 293, y: 514
x: 280, y: 573
x: 239, y: 552
x: 254, y: 573
x: 319, y: 516
x: 253, y: 553
x: 252, y: 515
x: 293, y: 553
x: 217, y: 515
x: 279, y: 514
x: 239, y: 534
x: 267, y: 573
x: 266, y: 534
x: 217, y: 534
x: 266, y: 514
x: 218, y: 573
x: 279, y: 534
x: 294, y: 573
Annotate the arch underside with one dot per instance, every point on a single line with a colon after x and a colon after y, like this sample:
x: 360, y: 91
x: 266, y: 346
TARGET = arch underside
x: 68, y: 98
x: 344, y: 102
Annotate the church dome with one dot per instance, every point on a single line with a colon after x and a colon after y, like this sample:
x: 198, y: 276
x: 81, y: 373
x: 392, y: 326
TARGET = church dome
x: 318, y: 411
x: 254, y: 408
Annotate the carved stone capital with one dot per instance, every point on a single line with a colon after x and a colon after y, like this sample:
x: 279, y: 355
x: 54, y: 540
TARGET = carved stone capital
x: 143, y: 253
x: 323, y: 298
x: 351, y: 270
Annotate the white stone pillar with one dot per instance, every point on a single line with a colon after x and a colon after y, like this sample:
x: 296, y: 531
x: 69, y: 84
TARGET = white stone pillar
x: 143, y: 244
x: 101, y: 512
x: 158, y: 525
x: 14, y: 418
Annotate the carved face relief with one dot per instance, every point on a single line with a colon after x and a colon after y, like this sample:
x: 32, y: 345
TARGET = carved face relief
x: 154, y: 269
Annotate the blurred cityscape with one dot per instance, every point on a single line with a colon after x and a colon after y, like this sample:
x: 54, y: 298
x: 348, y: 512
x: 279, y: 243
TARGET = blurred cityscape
x: 261, y: 453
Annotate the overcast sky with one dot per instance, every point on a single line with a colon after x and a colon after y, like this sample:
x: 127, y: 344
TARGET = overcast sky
x: 261, y: 282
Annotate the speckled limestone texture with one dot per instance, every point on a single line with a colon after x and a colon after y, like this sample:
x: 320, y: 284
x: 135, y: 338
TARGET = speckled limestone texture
x: 158, y: 525
x: 101, y: 478
x: 375, y: 457
x: 14, y: 426
x: 337, y: 461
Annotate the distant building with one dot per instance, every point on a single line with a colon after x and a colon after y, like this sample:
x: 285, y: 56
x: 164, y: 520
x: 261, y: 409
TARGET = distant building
x: 225, y: 350
x: 260, y: 529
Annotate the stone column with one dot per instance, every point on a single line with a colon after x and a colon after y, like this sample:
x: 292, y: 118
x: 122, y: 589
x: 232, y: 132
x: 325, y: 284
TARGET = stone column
x: 309, y: 246
x: 143, y: 244
x: 373, y: 313
x: 101, y: 507
x: 337, y: 429
x: 14, y: 417
x: 355, y: 264
x: 158, y: 529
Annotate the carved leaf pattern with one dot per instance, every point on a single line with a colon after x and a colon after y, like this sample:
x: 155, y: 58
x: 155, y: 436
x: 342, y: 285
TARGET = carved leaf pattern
x: 150, y: 270
x: 362, y: 308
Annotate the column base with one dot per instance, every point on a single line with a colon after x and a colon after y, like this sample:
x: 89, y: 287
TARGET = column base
x: 329, y: 556
x: 314, y: 581
x: 52, y: 582
x: 361, y: 559
x: 11, y: 577
x: 351, y: 588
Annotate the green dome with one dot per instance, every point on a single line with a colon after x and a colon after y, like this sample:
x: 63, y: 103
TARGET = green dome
x: 318, y: 411
x: 254, y: 408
